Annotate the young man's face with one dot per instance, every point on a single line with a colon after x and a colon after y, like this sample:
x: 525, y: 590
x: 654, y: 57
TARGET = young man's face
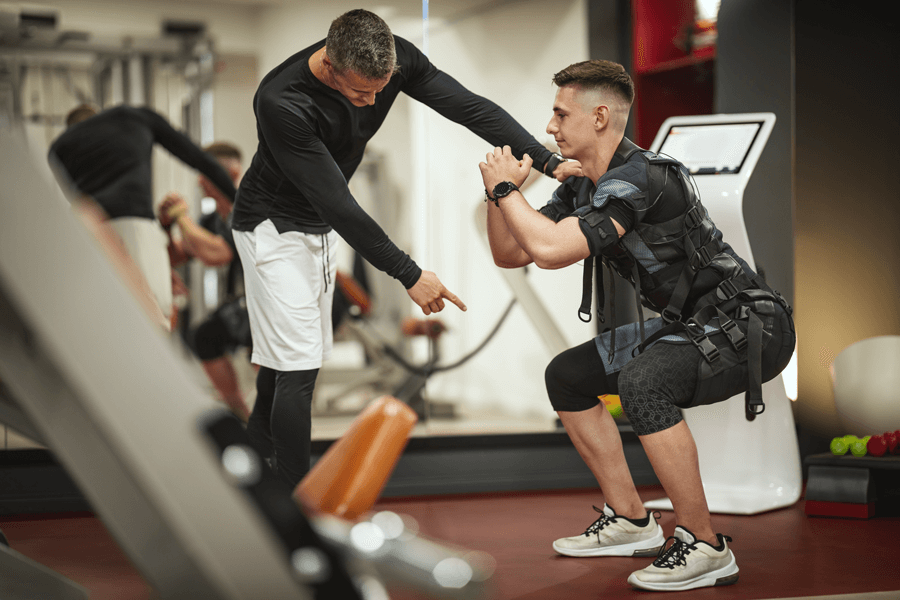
x: 359, y: 90
x: 571, y: 126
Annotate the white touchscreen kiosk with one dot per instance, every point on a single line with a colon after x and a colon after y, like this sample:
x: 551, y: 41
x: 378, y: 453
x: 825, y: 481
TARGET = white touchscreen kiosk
x: 747, y: 466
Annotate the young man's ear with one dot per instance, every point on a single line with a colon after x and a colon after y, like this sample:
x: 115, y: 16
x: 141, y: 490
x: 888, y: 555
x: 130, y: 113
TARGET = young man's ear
x: 601, y: 116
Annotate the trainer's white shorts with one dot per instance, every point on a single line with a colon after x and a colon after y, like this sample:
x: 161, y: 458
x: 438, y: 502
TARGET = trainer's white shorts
x: 289, y: 280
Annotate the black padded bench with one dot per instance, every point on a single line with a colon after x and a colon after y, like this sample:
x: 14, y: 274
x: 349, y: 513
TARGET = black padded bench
x: 857, y: 487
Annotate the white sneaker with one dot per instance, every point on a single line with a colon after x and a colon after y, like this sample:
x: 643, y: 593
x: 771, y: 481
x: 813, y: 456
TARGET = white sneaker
x: 688, y: 564
x: 613, y: 535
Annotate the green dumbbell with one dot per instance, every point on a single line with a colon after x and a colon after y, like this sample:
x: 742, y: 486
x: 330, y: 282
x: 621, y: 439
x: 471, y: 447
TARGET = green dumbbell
x: 839, y: 446
x: 858, y: 447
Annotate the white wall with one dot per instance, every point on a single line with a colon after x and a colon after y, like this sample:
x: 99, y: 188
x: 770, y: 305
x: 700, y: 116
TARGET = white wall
x: 536, y: 43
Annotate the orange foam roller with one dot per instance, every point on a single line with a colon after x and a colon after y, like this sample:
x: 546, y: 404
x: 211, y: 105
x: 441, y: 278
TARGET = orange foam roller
x: 349, y: 477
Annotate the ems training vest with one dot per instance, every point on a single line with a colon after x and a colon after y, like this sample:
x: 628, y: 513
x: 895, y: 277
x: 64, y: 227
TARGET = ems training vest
x: 676, y: 266
x: 679, y: 264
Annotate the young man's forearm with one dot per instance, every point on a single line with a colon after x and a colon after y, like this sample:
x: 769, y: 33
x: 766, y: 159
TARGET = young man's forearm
x: 505, y: 250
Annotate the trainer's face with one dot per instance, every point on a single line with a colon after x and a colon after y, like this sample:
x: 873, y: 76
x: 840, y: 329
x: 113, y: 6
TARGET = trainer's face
x: 359, y: 90
x: 571, y: 126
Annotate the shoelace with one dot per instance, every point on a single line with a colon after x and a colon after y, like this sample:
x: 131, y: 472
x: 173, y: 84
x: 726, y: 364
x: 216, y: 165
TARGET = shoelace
x: 599, y: 524
x: 676, y: 554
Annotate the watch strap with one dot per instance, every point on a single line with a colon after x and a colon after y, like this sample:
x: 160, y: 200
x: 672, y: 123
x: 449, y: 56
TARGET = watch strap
x: 555, y: 160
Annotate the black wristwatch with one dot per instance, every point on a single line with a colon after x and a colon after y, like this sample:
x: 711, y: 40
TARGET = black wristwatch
x: 501, y: 190
x: 555, y: 160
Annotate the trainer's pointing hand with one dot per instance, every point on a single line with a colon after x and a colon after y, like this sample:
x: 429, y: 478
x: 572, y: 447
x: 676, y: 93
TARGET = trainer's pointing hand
x: 429, y: 293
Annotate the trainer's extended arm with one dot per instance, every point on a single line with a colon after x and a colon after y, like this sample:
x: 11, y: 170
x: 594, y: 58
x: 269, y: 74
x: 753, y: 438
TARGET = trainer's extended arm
x: 299, y: 153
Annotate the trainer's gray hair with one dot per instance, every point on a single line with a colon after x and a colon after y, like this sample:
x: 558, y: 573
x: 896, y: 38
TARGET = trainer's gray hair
x: 362, y: 42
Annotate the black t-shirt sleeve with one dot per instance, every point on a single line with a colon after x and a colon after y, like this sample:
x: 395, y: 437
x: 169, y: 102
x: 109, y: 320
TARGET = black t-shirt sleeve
x: 438, y: 90
x: 290, y: 134
x: 182, y: 148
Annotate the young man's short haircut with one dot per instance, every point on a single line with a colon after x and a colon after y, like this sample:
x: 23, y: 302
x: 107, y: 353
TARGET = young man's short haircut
x: 362, y: 42
x: 600, y: 75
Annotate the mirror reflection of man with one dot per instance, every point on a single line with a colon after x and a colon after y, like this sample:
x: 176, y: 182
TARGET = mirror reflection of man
x: 107, y: 157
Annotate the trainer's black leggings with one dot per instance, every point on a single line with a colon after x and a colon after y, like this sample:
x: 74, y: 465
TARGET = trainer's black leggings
x: 650, y: 387
x: 280, y: 425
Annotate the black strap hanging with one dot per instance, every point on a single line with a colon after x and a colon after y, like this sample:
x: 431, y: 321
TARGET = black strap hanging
x: 612, y: 317
x: 587, y: 281
x: 584, y: 311
x: 753, y: 398
x: 637, y: 297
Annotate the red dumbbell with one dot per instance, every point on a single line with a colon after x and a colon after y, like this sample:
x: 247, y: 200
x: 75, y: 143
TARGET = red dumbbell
x: 877, y: 445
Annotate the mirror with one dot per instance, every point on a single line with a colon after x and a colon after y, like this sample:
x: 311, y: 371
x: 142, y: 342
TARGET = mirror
x: 419, y: 180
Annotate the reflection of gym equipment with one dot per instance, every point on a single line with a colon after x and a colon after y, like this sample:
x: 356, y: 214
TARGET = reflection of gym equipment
x: 387, y: 371
x: 523, y: 292
x: 747, y: 467
x: 104, y: 389
x: 46, y: 70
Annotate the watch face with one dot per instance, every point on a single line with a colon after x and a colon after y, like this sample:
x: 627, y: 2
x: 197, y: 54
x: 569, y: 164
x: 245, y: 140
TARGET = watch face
x: 504, y: 188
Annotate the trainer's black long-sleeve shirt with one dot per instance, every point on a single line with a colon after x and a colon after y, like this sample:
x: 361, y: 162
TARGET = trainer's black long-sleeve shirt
x: 312, y: 139
x: 109, y: 157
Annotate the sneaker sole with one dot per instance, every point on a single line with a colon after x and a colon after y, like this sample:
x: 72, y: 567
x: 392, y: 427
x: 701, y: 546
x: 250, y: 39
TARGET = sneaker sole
x: 637, y: 549
x: 727, y: 575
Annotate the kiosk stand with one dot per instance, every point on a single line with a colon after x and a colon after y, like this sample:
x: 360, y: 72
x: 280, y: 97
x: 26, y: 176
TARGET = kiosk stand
x: 747, y: 467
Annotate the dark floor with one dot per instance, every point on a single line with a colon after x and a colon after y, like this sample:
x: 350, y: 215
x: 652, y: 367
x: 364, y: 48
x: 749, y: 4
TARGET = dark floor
x: 781, y: 554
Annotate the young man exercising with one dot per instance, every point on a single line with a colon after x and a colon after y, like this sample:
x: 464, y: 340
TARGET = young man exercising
x: 722, y: 330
